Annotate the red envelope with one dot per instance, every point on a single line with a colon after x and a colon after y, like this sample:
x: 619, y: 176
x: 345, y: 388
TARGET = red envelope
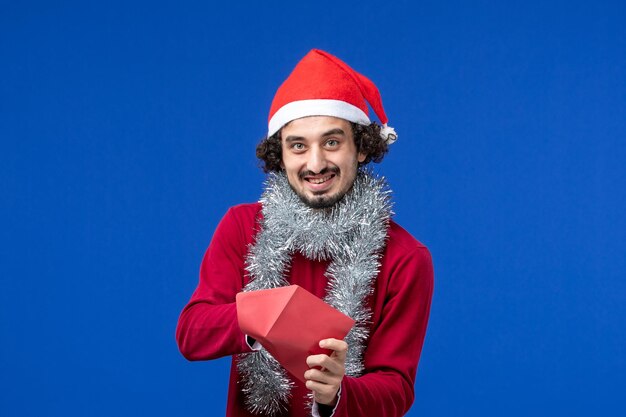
x: 289, y: 323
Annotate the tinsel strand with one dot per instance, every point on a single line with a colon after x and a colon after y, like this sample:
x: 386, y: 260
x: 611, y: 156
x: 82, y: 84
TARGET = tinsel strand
x: 352, y: 235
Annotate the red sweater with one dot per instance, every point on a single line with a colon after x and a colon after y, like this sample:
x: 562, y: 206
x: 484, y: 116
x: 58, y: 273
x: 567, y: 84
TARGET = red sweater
x: 208, y: 329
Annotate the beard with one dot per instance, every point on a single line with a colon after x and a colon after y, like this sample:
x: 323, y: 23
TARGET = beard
x: 321, y: 200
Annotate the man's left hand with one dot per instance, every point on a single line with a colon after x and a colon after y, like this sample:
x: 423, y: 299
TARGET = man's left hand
x: 325, y: 382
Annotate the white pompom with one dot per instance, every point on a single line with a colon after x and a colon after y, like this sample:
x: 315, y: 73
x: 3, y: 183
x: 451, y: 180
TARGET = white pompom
x: 388, y: 134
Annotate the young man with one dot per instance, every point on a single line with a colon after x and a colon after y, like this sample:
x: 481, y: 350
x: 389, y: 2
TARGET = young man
x: 323, y: 223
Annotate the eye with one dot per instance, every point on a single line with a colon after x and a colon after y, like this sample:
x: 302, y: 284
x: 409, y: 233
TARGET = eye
x: 332, y: 143
x: 297, y: 146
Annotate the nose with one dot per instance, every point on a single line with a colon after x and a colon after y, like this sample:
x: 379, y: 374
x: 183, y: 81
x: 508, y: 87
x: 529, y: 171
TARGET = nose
x: 317, y: 160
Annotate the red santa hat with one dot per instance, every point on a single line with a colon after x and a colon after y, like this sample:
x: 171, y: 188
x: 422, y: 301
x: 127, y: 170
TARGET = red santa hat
x: 323, y: 85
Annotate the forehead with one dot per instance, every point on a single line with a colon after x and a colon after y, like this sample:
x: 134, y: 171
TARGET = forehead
x: 315, y: 126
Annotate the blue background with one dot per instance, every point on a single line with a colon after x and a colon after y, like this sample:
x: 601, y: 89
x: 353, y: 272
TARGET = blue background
x: 128, y: 128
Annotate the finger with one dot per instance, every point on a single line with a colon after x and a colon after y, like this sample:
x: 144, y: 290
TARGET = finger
x: 332, y: 365
x: 323, y: 393
x: 316, y: 360
x: 321, y: 376
x: 339, y: 347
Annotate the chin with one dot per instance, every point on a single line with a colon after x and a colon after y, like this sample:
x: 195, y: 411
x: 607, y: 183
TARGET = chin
x: 320, y: 201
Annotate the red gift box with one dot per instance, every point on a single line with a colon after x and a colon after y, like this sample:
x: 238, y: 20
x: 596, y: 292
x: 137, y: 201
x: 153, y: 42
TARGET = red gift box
x: 289, y: 323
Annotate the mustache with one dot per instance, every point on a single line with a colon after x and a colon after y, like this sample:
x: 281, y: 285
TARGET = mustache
x: 329, y: 170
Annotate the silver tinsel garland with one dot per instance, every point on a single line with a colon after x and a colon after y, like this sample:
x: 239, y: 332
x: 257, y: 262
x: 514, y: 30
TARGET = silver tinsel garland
x: 351, y: 234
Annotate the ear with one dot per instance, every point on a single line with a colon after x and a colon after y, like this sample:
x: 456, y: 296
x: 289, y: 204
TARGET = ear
x: 361, y: 157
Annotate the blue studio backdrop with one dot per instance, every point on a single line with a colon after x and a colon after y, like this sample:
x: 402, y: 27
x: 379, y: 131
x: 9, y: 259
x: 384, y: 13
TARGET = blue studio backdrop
x: 128, y: 128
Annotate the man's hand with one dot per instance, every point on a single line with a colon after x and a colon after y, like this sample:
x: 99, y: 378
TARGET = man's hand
x: 325, y: 382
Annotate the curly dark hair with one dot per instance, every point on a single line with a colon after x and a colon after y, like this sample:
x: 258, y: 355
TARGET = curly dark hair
x: 366, y: 138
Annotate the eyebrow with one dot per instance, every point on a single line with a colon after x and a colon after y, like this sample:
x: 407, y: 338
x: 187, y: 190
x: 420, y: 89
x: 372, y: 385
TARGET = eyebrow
x: 336, y: 131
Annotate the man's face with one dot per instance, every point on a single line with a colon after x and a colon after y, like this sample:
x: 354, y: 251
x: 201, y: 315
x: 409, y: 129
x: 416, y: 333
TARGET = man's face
x: 320, y: 159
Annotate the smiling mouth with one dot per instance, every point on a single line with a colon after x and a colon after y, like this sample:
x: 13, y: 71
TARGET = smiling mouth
x: 320, y: 180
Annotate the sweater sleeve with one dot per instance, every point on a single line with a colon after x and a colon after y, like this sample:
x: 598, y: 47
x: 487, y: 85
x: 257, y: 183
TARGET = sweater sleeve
x: 386, y: 387
x: 208, y: 327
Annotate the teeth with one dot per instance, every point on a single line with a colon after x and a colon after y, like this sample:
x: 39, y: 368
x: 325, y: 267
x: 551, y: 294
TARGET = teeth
x: 319, y: 180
